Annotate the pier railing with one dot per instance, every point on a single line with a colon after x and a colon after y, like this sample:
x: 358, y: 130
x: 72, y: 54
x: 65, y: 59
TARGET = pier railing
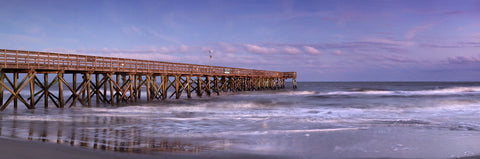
x: 18, y: 59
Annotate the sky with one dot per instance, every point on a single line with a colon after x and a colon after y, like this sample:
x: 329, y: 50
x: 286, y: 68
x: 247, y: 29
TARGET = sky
x: 338, y: 40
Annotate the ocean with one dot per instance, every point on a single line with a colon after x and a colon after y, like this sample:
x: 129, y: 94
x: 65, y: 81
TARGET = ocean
x: 317, y: 120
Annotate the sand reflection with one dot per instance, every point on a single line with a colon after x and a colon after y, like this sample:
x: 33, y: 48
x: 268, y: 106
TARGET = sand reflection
x: 97, y: 132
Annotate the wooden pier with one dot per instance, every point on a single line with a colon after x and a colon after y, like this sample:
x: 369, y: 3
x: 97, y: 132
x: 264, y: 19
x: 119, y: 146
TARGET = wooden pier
x: 118, y: 80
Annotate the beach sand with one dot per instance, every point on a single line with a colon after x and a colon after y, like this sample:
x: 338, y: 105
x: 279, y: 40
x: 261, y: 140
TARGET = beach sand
x: 21, y: 149
x: 368, y: 143
x: 24, y: 149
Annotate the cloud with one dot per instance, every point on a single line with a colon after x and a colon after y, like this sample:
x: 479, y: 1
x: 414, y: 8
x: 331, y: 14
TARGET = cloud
x: 463, y: 60
x: 394, y: 58
x: 9, y: 38
x: 61, y: 50
x: 115, y: 51
x: 470, y: 44
x: 471, y: 26
x: 365, y: 43
x: 311, y: 50
x: 256, y: 51
x: 337, y: 52
x: 389, y: 42
x: 259, y: 49
x: 343, y: 17
x: 132, y: 30
x: 165, y: 37
x: 440, y: 45
x: 241, y: 60
x: 160, y: 54
x: 476, y: 35
x: 372, y: 52
x: 454, y: 12
x: 149, y: 56
x: 453, y: 45
x: 230, y: 48
x: 413, y: 32
x: 183, y: 49
x: 291, y: 50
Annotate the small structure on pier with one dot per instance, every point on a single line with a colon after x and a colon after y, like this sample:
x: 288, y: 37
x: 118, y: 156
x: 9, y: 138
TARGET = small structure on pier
x: 115, y: 80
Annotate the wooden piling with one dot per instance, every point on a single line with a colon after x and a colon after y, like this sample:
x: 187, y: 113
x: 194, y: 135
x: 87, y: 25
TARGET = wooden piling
x: 199, y: 86
x: 147, y: 89
x: 60, y: 91
x: 45, y: 82
x: 89, y: 99
x: 15, y: 89
x: 105, y: 88
x: 189, y: 95
x: 208, y: 85
x: 135, y: 87
x: 2, y: 80
x: 165, y: 82
x: 112, y: 91
x: 132, y: 94
x: 215, y: 83
x: 177, y: 87
x: 117, y: 92
x: 294, y: 83
x: 138, y: 87
x: 97, y: 89
x: 74, y: 86
x: 32, y: 92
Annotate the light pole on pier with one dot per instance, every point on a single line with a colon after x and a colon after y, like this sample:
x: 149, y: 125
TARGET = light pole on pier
x: 210, y: 60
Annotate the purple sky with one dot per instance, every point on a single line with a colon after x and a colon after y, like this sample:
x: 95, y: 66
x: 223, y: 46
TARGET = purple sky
x: 322, y: 40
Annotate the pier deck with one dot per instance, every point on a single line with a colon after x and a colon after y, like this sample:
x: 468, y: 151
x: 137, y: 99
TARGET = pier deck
x: 115, y: 80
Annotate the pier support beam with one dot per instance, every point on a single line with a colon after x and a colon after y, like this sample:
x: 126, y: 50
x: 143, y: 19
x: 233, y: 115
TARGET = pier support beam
x: 2, y: 80
x: 60, y: 90
x: 118, y: 90
x: 15, y: 89
x: 112, y: 90
x: 45, y: 89
x: 294, y: 83
x: 124, y: 88
x: 208, y: 85
x: 31, y: 82
x: 165, y: 86
x: 87, y: 79
x: 178, y: 90
x: 199, y: 86
x: 97, y: 88
x: 147, y: 86
x: 189, y: 87
x: 74, y: 87
x: 223, y: 84
x: 215, y: 85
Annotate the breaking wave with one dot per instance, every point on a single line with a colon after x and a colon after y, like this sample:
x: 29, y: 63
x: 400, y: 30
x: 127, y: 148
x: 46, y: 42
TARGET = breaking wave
x: 429, y: 92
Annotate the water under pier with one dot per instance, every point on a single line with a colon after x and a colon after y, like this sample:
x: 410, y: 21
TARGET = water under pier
x: 118, y: 80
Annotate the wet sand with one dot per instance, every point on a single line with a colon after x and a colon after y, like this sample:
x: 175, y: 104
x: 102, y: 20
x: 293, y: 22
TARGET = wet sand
x: 21, y: 149
x: 366, y: 143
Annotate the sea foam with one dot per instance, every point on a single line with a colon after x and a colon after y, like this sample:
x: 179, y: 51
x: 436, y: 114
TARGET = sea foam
x: 427, y: 92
